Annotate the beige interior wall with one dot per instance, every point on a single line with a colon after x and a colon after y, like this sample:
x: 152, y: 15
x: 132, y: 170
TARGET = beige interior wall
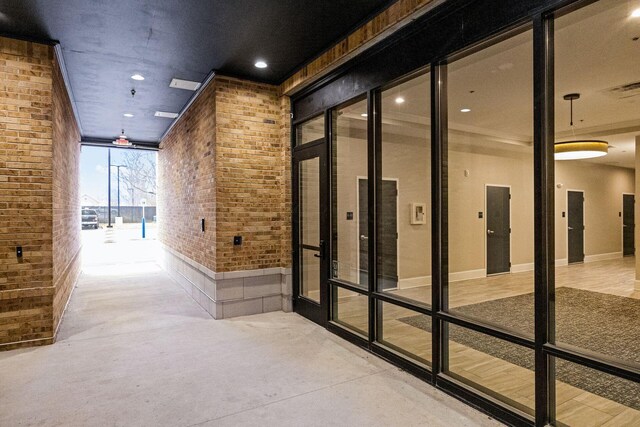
x: 406, y: 159
x: 494, y: 164
x: 603, y: 187
x: 351, y: 162
x: 409, y: 160
x: 488, y: 163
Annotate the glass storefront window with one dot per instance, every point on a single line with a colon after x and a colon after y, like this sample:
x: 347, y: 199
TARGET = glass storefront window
x: 350, y: 201
x: 597, y: 299
x: 495, y: 367
x: 404, y: 211
x: 350, y: 309
x: 310, y: 131
x: 585, y: 396
x: 405, y: 331
x: 490, y: 184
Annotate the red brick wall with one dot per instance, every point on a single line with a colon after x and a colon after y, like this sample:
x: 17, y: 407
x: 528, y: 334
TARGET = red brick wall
x: 66, y: 196
x: 26, y: 213
x: 228, y: 159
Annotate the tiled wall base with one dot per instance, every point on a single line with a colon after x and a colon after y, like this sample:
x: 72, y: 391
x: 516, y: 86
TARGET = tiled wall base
x: 230, y: 294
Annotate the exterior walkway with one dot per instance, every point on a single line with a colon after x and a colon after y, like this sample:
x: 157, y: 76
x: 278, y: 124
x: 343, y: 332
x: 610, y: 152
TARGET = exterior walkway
x: 135, y: 350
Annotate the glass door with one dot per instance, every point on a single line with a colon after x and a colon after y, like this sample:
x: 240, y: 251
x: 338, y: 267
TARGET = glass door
x: 311, y: 216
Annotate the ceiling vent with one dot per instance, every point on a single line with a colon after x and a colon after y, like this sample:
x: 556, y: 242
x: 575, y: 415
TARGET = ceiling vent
x: 624, y: 91
x: 184, y: 84
x: 166, y: 115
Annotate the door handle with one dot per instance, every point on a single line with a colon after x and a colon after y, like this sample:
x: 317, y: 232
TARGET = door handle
x: 570, y: 228
x: 490, y: 232
x: 363, y: 237
x: 322, y: 250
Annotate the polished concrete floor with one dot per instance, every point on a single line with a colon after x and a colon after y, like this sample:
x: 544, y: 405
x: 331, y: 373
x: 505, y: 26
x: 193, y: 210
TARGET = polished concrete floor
x: 135, y: 350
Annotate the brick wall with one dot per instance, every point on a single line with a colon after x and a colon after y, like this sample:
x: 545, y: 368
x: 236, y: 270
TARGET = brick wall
x: 249, y: 172
x: 66, y: 196
x: 227, y: 161
x: 26, y: 291
x: 27, y: 195
x: 186, y: 178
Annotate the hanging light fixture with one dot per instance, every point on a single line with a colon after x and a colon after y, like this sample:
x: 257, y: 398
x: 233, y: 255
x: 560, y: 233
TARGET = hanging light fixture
x: 122, y: 140
x: 579, y: 148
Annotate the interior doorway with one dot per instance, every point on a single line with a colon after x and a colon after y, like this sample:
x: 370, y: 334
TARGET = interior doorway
x: 498, y: 222
x: 387, y: 237
x: 628, y: 225
x: 575, y: 226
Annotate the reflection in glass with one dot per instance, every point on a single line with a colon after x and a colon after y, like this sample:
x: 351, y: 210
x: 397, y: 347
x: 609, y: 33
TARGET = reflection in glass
x: 490, y: 184
x: 405, y: 331
x: 597, y: 299
x: 585, y: 396
x: 351, y: 310
x: 495, y: 367
x: 310, y: 228
x: 404, y: 212
x: 311, y: 130
x: 350, y: 237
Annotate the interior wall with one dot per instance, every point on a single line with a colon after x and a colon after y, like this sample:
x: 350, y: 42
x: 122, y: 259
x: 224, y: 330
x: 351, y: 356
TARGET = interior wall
x: 603, y: 187
x: 486, y: 163
x: 405, y: 159
x: 66, y: 196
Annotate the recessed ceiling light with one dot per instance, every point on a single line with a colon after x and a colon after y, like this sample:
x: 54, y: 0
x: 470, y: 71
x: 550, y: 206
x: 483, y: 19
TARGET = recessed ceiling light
x: 465, y: 110
x: 166, y: 114
x: 137, y: 77
x: 261, y: 64
x: 399, y: 100
x: 128, y: 115
x: 364, y: 114
x: 636, y: 13
x: 184, y: 84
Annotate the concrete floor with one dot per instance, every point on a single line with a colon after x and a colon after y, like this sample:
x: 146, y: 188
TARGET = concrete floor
x: 135, y: 350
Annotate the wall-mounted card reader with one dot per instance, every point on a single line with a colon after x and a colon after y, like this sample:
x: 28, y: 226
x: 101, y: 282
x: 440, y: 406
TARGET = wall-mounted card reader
x: 19, y: 251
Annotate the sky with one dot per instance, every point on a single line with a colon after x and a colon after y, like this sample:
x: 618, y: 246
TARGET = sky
x: 94, y: 178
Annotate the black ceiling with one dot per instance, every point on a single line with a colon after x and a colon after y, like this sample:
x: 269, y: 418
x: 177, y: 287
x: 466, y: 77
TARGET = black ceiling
x: 104, y: 42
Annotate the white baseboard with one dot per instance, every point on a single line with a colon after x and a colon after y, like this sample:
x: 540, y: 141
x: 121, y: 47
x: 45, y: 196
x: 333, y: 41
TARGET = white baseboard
x: 602, y: 257
x: 467, y: 275
x: 413, y: 282
x: 562, y: 262
x: 519, y: 268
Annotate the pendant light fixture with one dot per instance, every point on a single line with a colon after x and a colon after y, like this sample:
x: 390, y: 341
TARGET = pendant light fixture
x: 579, y: 148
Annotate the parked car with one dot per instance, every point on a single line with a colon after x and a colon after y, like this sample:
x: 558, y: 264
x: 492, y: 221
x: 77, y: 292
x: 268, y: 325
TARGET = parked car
x: 89, y: 218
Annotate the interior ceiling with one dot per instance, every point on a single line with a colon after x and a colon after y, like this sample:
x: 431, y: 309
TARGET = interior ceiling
x: 105, y: 42
x: 595, y: 51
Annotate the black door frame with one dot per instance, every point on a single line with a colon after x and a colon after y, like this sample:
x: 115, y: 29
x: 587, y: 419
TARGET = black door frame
x: 312, y: 310
x: 430, y: 41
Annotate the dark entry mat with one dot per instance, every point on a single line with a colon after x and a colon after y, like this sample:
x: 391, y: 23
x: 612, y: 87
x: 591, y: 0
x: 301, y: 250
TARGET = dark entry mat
x: 603, y: 323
